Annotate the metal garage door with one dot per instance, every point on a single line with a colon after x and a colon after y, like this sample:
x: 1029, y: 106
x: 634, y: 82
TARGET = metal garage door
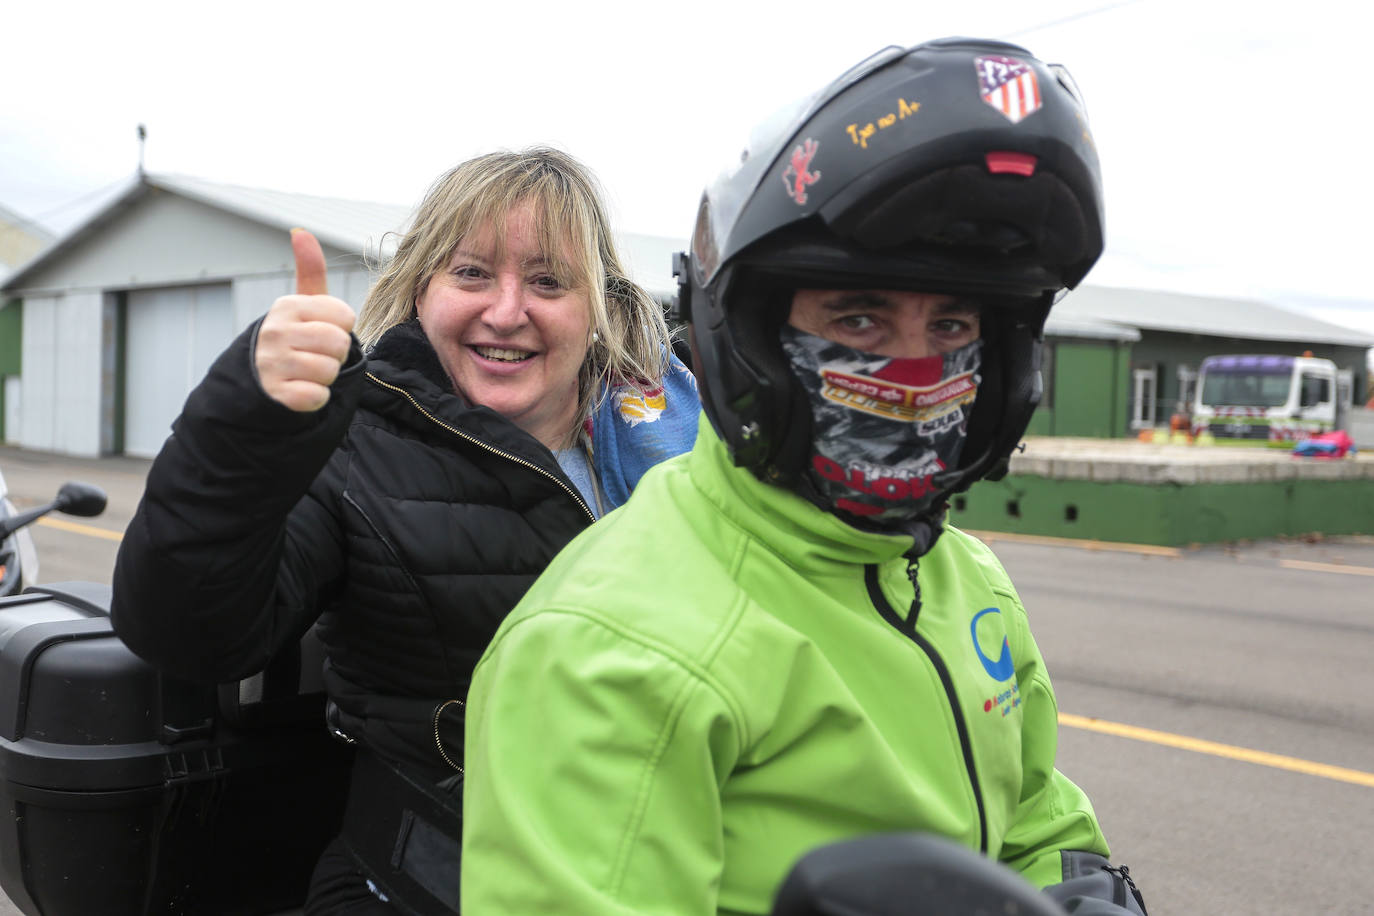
x: 172, y: 336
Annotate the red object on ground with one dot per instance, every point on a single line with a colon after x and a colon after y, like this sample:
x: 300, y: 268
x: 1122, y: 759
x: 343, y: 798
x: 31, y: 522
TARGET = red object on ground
x: 1336, y: 444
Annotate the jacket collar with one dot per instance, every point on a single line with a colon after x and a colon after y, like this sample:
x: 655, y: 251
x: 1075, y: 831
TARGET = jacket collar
x: 404, y: 359
x: 805, y: 536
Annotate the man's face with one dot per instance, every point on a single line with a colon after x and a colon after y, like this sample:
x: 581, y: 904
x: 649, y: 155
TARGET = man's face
x: 886, y: 322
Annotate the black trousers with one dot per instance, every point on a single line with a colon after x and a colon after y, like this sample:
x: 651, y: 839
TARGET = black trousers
x: 338, y: 887
x: 404, y: 834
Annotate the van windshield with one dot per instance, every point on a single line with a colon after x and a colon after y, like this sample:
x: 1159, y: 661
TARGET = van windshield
x: 1227, y: 387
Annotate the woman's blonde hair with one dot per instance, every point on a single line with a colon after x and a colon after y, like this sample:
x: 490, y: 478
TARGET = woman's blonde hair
x: 630, y: 338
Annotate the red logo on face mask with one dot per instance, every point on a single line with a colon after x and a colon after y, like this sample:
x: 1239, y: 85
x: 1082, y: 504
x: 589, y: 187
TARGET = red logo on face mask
x: 888, y: 488
x: 798, y: 175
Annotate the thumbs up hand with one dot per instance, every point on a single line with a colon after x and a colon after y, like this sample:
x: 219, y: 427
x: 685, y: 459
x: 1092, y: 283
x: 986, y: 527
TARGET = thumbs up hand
x: 304, y: 340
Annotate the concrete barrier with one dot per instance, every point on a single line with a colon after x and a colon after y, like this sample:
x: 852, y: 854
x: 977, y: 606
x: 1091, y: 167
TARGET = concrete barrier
x: 1145, y: 493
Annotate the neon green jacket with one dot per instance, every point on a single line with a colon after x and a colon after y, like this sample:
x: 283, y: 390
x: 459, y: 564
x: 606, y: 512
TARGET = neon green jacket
x: 719, y: 677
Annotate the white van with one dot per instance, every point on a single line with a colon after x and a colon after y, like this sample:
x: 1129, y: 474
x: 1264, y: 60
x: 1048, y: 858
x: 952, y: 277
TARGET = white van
x: 1264, y: 399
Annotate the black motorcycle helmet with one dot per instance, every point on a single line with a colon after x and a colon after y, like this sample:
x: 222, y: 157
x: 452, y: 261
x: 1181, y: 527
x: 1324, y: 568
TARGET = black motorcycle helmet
x: 959, y: 166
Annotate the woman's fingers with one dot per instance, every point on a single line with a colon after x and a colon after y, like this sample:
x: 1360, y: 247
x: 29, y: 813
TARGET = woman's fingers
x: 320, y: 324
x: 304, y: 340
x: 301, y: 380
x: 310, y: 270
x: 302, y: 397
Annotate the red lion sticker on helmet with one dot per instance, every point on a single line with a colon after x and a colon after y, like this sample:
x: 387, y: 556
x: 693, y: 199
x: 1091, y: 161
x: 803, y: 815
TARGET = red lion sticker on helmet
x: 798, y: 174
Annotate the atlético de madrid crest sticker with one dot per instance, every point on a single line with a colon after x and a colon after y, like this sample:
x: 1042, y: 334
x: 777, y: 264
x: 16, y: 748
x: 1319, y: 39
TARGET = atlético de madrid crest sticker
x: 1009, y: 85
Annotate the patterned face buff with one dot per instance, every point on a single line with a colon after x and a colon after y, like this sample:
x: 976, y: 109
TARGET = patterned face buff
x: 882, y: 426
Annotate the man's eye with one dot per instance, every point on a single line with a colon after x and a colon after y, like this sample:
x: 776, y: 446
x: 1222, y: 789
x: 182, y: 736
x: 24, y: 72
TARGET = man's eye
x: 856, y: 322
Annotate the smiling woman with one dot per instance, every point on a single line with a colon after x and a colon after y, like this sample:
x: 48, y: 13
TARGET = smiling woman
x: 509, y: 333
x: 404, y: 487
x: 530, y: 227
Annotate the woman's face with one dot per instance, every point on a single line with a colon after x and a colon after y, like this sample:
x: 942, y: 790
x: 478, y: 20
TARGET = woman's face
x: 509, y: 336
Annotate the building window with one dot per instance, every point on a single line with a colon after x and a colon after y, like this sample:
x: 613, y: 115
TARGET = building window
x: 1315, y: 391
x: 1144, y: 394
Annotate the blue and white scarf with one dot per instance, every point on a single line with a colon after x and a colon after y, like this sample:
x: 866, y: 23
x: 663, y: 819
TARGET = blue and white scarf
x: 632, y: 430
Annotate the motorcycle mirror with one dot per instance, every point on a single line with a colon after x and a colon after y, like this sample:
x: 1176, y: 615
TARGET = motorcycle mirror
x: 905, y: 874
x: 80, y: 499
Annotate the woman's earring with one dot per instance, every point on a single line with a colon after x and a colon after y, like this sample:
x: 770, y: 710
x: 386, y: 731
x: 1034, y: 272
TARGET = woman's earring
x: 595, y: 337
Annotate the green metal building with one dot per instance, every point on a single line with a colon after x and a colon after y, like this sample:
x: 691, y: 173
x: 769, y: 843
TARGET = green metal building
x: 11, y: 350
x: 1121, y: 360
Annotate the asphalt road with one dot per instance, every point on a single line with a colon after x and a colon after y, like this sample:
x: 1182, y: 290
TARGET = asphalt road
x: 1216, y: 703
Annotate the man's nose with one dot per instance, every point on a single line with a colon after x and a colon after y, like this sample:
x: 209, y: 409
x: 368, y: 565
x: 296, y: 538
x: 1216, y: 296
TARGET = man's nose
x: 912, y: 340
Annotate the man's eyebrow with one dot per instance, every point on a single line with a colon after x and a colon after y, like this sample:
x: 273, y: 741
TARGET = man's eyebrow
x: 963, y: 306
x: 871, y: 300
x: 861, y: 299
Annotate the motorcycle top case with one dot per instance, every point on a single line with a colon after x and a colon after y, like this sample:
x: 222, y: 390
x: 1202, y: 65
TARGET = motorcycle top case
x: 127, y: 792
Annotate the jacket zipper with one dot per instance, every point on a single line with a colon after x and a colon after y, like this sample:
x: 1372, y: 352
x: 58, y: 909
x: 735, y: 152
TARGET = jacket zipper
x: 582, y: 504
x: 908, y: 629
x: 495, y: 451
x: 438, y: 711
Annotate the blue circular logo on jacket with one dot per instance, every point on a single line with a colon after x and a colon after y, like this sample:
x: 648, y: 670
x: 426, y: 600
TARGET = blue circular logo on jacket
x: 1003, y: 668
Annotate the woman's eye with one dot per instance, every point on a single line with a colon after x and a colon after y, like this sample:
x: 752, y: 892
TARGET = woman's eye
x: 547, y: 282
x: 468, y: 272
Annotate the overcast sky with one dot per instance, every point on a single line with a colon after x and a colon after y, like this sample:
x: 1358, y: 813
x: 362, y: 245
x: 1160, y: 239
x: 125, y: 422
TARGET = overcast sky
x: 1233, y: 135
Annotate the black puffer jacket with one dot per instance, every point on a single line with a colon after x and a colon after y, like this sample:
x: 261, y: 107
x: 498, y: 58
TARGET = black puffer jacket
x: 406, y: 521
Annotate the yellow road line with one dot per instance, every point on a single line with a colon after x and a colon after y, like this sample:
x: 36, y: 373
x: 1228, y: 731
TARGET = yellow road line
x: 1229, y: 751
x: 1156, y: 550
x: 89, y: 530
x: 1328, y: 567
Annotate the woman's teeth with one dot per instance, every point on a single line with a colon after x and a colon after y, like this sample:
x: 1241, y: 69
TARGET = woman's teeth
x: 501, y: 355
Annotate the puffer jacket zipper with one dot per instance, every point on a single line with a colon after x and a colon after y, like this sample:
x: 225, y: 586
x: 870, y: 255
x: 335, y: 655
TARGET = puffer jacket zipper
x: 483, y: 445
x: 438, y: 740
x: 577, y: 498
x: 907, y: 628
